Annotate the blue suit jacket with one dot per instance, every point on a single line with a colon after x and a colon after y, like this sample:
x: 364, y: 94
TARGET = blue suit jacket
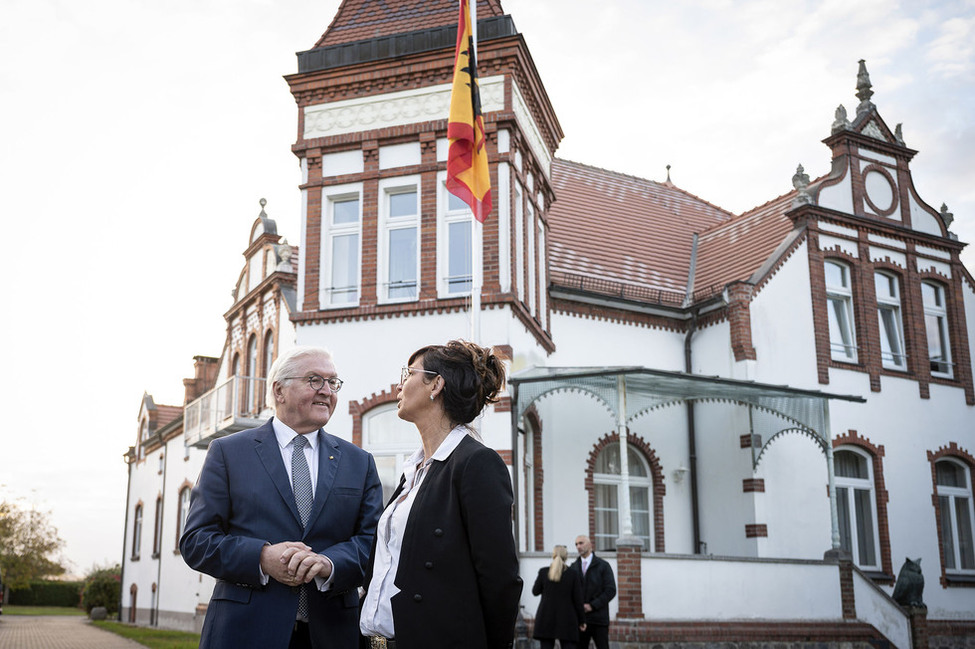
x: 244, y: 500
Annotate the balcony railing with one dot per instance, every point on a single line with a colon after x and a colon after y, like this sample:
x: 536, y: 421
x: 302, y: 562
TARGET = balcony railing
x: 235, y: 404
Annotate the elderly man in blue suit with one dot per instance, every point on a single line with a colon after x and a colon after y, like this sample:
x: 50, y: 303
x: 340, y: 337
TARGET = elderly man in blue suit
x: 283, y: 516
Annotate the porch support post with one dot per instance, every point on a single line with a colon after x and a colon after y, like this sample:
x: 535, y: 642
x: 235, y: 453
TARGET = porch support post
x: 629, y: 548
x: 626, y: 520
x: 833, y: 512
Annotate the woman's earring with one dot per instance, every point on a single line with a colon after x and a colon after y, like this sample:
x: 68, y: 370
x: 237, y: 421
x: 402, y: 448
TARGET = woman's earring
x: 431, y: 397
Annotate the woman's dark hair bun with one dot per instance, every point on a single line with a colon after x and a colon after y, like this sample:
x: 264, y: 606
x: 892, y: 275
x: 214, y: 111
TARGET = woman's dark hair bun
x: 473, y: 376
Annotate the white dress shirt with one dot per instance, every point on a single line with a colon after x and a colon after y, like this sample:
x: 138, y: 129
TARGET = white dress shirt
x: 285, y: 436
x: 377, y: 607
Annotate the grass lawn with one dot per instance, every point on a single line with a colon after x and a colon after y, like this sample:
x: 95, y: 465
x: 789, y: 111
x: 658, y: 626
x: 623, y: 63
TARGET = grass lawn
x: 152, y: 638
x: 41, y: 610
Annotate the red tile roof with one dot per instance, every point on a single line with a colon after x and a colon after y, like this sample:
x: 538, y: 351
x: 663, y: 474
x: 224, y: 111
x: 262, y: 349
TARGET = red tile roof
x: 736, y: 249
x: 167, y: 414
x: 364, y: 19
x: 617, y: 228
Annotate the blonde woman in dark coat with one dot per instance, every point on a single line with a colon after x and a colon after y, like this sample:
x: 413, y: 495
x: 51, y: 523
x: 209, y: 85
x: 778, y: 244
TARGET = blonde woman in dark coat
x: 560, y: 614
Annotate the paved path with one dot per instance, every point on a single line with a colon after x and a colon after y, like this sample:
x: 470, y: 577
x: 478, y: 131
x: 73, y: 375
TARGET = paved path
x: 57, y: 632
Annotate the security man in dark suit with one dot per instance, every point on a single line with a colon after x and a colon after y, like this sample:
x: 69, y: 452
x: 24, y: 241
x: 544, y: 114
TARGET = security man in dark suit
x: 598, y: 589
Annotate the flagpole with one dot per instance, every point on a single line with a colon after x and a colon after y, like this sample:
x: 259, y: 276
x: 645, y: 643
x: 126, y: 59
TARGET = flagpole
x: 477, y: 273
x: 477, y: 231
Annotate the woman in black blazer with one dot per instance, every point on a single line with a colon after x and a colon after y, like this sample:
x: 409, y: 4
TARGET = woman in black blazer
x: 560, y: 614
x: 444, y: 569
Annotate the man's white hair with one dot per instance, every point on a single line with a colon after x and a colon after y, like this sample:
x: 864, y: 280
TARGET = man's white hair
x: 286, y: 365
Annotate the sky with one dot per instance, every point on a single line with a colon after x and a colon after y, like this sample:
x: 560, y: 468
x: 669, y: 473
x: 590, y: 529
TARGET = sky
x: 137, y: 137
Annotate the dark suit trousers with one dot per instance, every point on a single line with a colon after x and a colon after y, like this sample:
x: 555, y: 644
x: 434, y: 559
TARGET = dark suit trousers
x: 300, y: 637
x: 550, y: 644
x: 599, y: 634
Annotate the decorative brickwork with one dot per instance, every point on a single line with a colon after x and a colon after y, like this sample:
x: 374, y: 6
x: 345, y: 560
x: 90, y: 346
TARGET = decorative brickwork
x: 749, y: 440
x: 756, y: 530
x: 919, y: 626
x: 358, y: 408
x: 753, y: 485
x: 847, y: 594
x: 538, y: 479
x: 629, y: 582
x: 506, y: 57
x: 740, y: 319
x: 952, y: 451
x: 742, y: 635
x: 950, y: 633
x: 862, y: 267
x: 656, y: 477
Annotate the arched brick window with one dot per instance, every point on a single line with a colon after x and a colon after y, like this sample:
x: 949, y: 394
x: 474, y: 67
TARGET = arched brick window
x: 855, y: 500
x: 955, y: 515
x: 603, y: 481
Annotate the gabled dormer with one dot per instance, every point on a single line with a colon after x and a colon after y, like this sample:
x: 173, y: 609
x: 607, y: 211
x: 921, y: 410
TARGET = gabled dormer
x: 887, y: 279
x: 871, y: 176
x: 152, y: 418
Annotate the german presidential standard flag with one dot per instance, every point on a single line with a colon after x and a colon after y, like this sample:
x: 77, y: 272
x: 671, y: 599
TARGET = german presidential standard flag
x: 468, y: 177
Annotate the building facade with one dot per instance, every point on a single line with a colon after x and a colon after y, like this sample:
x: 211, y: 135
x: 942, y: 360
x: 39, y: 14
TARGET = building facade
x: 757, y: 417
x: 226, y: 394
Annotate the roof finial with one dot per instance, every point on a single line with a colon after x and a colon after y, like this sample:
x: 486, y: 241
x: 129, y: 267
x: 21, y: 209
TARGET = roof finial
x: 946, y: 216
x: 668, y: 173
x: 864, y: 92
x: 801, y: 182
x: 263, y: 202
x: 840, y: 121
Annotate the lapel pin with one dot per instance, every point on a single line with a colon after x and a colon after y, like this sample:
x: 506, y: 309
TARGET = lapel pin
x: 331, y: 457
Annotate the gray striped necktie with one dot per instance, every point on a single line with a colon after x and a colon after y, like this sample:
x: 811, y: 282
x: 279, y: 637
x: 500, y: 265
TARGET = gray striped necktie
x: 301, y: 483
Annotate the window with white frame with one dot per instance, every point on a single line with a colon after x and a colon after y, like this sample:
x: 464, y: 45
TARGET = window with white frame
x: 399, y: 266
x: 530, y: 260
x: 954, y: 480
x: 889, y: 316
x: 519, y: 243
x: 839, y: 304
x: 341, y: 269
x: 157, y: 528
x: 184, y: 508
x: 936, y: 327
x: 607, y: 483
x: 137, y: 532
x: 391, y: 441
x: 542, y: 277
x: 855, y: 499
x: 249, y: 382
x: 454, y: 248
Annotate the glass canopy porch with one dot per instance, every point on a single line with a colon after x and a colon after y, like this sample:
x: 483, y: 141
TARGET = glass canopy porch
x: 629, y: 392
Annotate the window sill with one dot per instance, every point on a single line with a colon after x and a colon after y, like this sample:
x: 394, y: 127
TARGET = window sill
x: 964, y: 581
x: 895, y: 368
x: 399, y: 300
x: 878, y: 576
x: 134, y: 557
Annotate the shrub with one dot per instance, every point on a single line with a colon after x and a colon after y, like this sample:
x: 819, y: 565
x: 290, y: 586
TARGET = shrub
x: 102, y: 589
x: 47, y: 593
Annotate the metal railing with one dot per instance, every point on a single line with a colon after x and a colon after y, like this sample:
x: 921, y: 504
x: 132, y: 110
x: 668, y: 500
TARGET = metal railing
x: 234, y: 404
